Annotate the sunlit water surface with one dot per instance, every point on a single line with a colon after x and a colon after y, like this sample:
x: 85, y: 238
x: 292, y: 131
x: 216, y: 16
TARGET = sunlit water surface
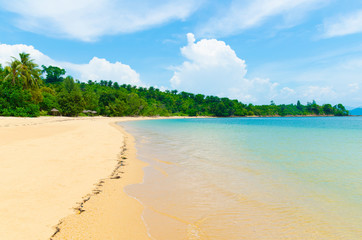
x: 250, y: 178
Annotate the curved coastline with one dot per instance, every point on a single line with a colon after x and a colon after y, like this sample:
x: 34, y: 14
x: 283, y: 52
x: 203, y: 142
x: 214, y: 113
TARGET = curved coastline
x: 48, y: 164
x: 108, y: 212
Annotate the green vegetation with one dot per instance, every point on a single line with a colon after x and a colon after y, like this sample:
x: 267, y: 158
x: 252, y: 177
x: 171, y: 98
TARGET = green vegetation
x: 24, y: 91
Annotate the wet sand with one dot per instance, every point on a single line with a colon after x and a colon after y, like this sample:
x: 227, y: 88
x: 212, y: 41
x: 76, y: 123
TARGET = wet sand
x: 63, y: 178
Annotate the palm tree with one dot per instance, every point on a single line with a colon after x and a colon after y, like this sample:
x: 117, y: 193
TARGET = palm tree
x: 25, y: 69
x: 29, y: 71
x: 12, y: 71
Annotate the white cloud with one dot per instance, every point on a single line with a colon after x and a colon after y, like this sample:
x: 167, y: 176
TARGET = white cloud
x: 343, y: 25
x: 101, y: 69
x: 319, y: 93
x: 242, y: 15
x: 87, y: 20
x: 8, y: 51
x: 213, y: 68
x: 96, y: 69
x: 327, y: 78
x: 287, y: 91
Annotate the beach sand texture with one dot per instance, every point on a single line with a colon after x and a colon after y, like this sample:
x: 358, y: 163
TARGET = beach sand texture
x: 49, y: 164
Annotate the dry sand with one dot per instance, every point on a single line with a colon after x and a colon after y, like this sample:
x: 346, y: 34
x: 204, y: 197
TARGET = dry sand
x: 49, y: 164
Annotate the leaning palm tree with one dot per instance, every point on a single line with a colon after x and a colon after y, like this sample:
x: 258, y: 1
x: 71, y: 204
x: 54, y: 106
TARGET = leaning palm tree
x: 29, y: 71
x: 25, y: 69
x: 12, y: 71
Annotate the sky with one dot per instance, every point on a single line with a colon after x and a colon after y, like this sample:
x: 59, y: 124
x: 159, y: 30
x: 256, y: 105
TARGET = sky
x: 251, y: 50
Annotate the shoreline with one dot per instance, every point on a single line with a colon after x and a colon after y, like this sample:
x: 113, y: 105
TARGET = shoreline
x: 48, y: 164
x: 106, y: 204
x: 53, y: 168
x: 105, y: 211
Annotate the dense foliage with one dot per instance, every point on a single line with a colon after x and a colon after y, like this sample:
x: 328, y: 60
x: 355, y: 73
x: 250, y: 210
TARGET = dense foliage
x: 24, y: 91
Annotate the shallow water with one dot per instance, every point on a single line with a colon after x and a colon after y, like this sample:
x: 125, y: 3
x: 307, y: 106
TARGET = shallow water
x: 251, y: 178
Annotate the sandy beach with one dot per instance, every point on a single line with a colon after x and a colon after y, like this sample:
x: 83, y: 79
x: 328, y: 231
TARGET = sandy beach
x: 62, y: 178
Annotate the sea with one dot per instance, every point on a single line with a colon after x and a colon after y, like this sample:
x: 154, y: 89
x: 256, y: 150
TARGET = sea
x: 250, y: 178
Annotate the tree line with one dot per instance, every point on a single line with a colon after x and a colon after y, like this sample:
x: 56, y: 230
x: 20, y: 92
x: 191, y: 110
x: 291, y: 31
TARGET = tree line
x: 27, y: 90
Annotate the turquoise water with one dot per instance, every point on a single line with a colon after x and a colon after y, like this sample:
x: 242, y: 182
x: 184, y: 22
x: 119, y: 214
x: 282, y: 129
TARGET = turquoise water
x: 251, y: 178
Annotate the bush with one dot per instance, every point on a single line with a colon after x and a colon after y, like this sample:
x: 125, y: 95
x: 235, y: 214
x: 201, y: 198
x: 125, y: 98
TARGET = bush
x: 14, y: 101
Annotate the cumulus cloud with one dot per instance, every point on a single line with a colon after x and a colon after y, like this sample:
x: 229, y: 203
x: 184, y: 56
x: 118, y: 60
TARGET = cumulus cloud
x: 96, y: 69
x: 87, y: 20
x: 8, y: 51
x: 242, y: 15
x: 343, y: 25
x: 100, y: 68
x: 213, y: 68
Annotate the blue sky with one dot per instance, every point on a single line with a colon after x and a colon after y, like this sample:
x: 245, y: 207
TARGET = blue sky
x: 255, y: 51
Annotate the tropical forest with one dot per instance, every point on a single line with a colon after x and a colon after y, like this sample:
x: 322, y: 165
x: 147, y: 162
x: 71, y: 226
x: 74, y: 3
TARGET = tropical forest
x: 28, y: 90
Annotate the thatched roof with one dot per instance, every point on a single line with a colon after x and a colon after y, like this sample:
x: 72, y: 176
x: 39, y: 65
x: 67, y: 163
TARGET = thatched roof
x: 54, y: 110
x: 89, y: 111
